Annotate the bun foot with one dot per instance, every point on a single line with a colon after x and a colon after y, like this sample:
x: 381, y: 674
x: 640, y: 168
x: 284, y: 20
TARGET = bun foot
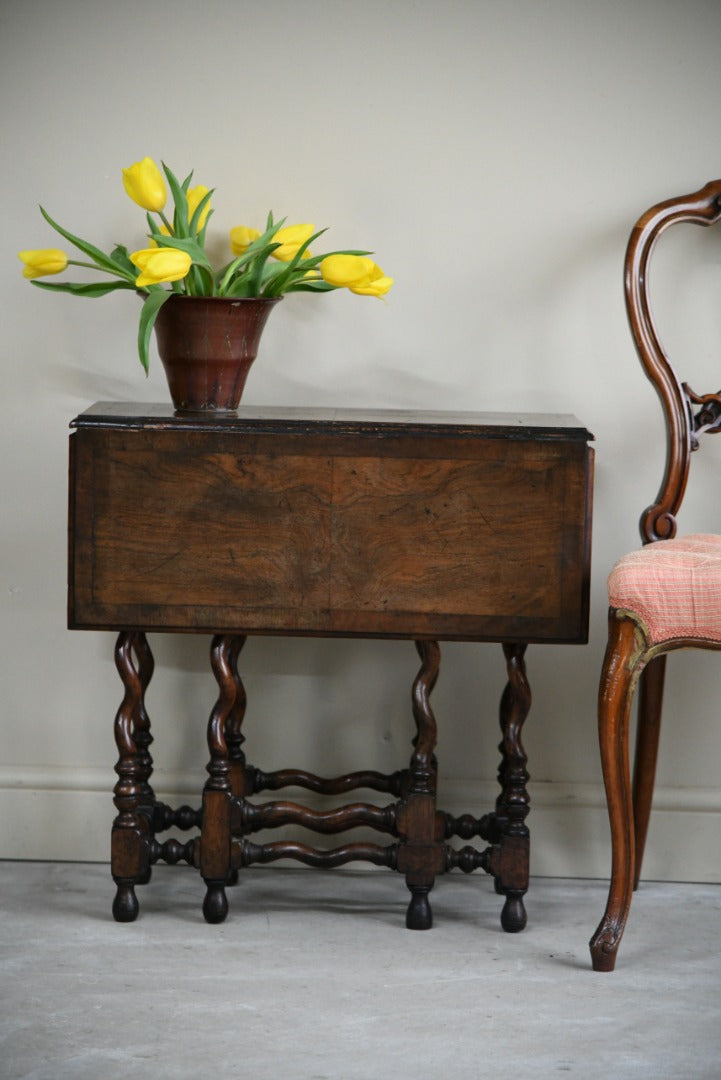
x: 513, y: 916
x: 419, y: 915
x: 125, y: 904
x: 215, y: 905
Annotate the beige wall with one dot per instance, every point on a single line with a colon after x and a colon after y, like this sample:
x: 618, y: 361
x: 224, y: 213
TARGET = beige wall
x: 494, y: 156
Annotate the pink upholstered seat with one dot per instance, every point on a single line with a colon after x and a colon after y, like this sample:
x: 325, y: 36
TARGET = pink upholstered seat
x: 673, y: 586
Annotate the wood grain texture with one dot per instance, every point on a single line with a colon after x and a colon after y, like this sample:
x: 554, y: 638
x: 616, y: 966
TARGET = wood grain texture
x: 367, y: 530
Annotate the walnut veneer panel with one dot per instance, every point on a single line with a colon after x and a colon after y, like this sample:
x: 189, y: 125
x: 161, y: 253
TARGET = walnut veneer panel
x: 399, y: 529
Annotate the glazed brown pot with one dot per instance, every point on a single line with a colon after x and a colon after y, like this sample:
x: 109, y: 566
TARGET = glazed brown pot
x: 206, y: 345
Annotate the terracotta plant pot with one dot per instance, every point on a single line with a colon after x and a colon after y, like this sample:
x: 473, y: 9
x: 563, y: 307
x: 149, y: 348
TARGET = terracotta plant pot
x: 206, y: 345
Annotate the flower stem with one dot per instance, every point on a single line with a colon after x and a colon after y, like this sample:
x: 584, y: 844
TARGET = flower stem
x: 101, y: 269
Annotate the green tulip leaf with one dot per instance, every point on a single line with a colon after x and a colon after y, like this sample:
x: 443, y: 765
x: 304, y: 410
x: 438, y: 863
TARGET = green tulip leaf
x: 257, y: 270
x: 241, y: 276
x: 91, y: 289
x: 260, y: 250
x: 201, y: 234
x: 99, y: 257
x: 312, y: 261
x: 181, y: 203
x: 312, y: 286
x: 238, y: 289
x: 207, y: 286
x: 278, y: 283
x: 120, y: 256
x: 155, y: 300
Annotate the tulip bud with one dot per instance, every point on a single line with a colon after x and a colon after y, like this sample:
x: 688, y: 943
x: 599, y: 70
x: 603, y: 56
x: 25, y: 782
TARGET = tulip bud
x: 195, y: 196
x: 42, y: 262
x: 144, y: 184
x: 159, y: 265
x: 357, y: 273
x: 241, y: 237
x: 291, y: 238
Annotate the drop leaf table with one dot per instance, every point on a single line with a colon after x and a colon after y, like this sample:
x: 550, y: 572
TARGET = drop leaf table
x: 423, y: 526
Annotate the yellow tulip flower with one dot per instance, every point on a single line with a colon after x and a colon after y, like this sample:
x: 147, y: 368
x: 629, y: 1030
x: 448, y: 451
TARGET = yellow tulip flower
x: 43, y: 262
x: 195, y: 195
x: 144, y: 184
x: 241, y: 237
x: 378, y: 285
x: 290, y: 238
x: 357, y: 273
x: 160, y: 264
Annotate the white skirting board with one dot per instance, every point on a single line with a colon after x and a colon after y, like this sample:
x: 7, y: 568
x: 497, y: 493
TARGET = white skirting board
x: 65, y: 814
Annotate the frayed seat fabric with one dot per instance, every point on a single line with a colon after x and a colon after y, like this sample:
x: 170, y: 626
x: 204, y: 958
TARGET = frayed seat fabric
x: 673, y: 586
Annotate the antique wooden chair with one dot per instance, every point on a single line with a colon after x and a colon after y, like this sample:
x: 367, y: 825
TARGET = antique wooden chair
x: 663, y: 597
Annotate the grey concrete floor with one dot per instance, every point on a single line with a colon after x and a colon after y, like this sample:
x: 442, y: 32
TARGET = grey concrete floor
x: 314, y: 976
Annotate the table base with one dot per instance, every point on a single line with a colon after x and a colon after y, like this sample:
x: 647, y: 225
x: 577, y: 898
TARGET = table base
x: 227, y: 818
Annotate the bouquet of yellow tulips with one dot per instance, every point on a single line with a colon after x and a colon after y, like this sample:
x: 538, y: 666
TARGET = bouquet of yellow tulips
x: 265, y: 264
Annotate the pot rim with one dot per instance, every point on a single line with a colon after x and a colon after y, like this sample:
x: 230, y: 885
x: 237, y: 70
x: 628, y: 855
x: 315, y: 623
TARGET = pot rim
x: 225, y: 299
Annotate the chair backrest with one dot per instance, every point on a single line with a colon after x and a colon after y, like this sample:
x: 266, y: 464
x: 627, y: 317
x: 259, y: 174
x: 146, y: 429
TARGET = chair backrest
x: 678, y: 400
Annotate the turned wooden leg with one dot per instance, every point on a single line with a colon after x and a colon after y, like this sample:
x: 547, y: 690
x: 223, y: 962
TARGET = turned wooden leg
x: 513, y: 802
x: 650, y: 701
x: 215, y: 836
x: 142, y: 734
x: 239, y: 783
x: 130, y: 859
x: 423, y: 762
x: 141, y: 722
x: 234, y: 737
x: 621, y: 667
x: 421, y: 854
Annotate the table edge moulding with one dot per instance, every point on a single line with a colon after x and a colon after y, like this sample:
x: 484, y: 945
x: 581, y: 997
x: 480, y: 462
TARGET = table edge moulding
x: 424, y: 526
